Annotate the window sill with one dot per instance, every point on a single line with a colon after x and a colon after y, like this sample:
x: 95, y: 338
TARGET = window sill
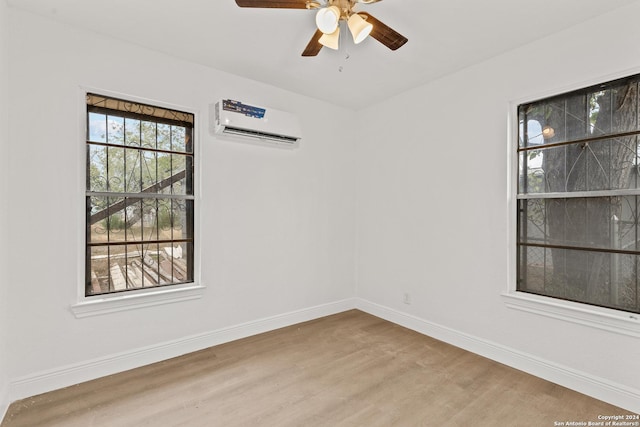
x: 105, y: 304
x: 602, y: 318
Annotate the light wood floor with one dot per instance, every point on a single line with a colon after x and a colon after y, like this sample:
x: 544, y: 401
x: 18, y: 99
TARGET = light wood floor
x: 350, y: 369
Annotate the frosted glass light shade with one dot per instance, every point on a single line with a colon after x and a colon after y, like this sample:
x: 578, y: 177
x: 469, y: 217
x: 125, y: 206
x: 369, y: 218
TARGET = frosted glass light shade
x: 359, y: 28
x: 327, y: 19
x: 332, y: 40
x: 548, y: 132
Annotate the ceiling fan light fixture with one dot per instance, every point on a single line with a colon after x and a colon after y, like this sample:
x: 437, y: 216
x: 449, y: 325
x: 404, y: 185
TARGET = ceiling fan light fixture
x: 359, y: 28
x: 332, y: 40
x: 327, y: 19
x: 312, y: 5
x: 329, y: 15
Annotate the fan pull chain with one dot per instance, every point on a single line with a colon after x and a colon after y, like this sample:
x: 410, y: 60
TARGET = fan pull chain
x: 346, y: 52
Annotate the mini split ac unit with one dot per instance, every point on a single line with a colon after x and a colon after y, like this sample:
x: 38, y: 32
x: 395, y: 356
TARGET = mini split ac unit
x: 238, y: 120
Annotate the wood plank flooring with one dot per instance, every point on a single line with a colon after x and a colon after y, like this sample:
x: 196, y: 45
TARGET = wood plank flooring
x: 350, y: 369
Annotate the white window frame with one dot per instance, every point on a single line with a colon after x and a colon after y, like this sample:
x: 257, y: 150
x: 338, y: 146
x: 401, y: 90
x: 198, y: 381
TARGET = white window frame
x: 86, y: 306
x: 617, y: 321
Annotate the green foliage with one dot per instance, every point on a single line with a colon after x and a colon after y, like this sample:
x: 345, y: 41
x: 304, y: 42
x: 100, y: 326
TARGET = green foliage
x: 164, y: 219
x: 114, y: 223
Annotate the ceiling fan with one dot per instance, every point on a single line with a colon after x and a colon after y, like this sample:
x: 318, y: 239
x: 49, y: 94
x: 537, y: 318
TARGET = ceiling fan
x: 328, y: 16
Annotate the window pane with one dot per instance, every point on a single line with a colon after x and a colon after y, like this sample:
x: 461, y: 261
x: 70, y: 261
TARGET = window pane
x: 149, y: 168
x: 123, y: 267
x: 106, y: 219
x: 150, y: 267
x: 115, y: 128
x: 133, y: 275
x: 187, y: 259
x: 182, y: 227
x: 603, y: 279
x: 133, y: 212
x: 99, y: 270
x: 578, y: 117
x: 149, y: 219
x: 178, y: 138
x: 178, y: 165
x: 594, y: 222
x: 117, y: 268
x: 556, y: 120
x: 533, y: 274
x: 115, y: 169
x: 148, y: 131
x: 164, y: 173
x: 608, y: 164
x: 98, y: 219
x: 97, y: 129
x: 133, y: 171
x: 532, y: 177
x: 172, y: 261
x: 132, y: 132
x: 116, y: 222
x: 522, y: 134
x: 164, y: 137
x: 164, y: 219
x: 606, y: 106
x: 97, y: 168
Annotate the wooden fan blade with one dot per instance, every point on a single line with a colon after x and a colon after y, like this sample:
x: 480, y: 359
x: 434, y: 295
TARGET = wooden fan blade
x: 314, y: 46
x: 383, y: 33
x: 275, y: 4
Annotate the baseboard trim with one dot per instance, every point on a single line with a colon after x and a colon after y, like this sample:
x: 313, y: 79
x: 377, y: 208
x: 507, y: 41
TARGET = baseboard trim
x: 4, y: 404
x: 65, y: 376
x: 616, y: 394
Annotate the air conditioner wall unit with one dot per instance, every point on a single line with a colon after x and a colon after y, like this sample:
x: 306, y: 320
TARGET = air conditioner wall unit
x: 239, y: 120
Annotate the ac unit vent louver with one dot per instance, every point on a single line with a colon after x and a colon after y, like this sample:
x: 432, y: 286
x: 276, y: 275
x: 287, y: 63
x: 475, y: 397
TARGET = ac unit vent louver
x: 238, y: 120
x: 259, y: 135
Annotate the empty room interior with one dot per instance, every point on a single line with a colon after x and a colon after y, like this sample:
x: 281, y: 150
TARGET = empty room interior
x: 347, y: 212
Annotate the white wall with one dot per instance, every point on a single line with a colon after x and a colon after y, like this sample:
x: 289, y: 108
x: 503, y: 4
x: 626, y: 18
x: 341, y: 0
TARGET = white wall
x: 4, y: 179
x: 276, y: 226
x: 432, y: 201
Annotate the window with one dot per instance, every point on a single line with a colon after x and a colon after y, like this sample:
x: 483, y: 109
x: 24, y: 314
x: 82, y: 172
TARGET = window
x: 578, y: 202
x: 139, y: 196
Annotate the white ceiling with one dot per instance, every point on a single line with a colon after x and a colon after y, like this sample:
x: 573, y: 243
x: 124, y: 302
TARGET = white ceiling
x: 265, y: 44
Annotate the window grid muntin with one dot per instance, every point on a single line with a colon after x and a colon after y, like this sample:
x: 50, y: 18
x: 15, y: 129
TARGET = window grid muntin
x: 185, y: 244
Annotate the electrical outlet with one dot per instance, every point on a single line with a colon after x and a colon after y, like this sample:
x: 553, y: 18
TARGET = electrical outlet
x: 407, y: 298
